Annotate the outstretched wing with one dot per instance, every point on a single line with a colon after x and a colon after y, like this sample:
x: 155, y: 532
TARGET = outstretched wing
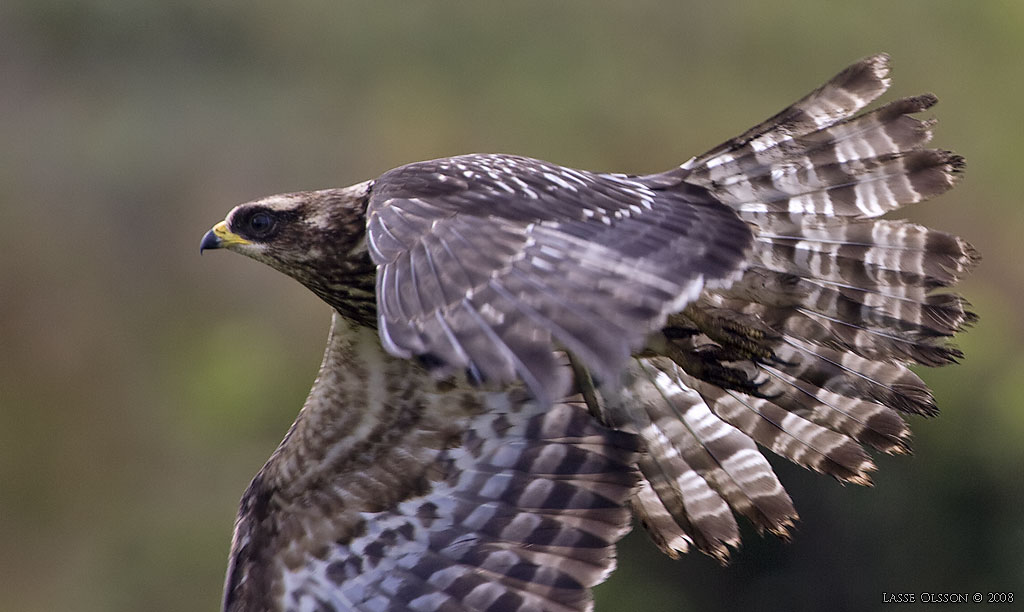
x: 527, y: 518
x: 402, y: 499
x: 486, y: 261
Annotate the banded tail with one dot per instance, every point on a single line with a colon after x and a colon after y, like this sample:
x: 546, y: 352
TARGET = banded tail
x: 808, y: 353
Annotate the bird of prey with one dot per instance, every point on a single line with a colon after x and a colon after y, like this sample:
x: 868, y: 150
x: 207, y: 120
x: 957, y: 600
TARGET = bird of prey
x: 524, y: 357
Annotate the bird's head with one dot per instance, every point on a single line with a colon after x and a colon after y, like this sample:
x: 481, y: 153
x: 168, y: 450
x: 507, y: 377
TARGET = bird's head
x: 316, y: 237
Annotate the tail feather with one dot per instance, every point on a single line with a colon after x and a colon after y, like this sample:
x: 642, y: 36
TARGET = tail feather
x: 828, y: 317
x: 863, y: 166
x: 948, y: 249
x: 845, y: 94
x: 895, y: 259
x: 887, y: 383
x: 890, y: 129
x: 863, y: 187
x: 790, y: 435
x: 865, y: 421
x: 807, y: 354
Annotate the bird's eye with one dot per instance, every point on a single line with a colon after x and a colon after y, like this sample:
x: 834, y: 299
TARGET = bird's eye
x: 260, y: 224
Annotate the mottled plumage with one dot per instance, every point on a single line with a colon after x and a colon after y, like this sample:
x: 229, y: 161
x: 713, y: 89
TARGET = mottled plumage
x: 523, y: 356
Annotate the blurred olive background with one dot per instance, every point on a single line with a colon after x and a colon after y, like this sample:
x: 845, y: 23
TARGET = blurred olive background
x: 141, y: 386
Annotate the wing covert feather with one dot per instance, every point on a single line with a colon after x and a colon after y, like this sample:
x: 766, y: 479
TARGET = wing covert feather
x: 488, y: 262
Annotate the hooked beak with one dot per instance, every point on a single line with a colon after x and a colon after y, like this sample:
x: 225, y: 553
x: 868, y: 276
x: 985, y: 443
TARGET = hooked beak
x: 220, y: 237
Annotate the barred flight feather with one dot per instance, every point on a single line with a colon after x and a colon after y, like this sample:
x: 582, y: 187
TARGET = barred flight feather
x: 837, y: 304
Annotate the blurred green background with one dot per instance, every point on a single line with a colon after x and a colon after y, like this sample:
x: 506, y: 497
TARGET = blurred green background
x: 141, y: 386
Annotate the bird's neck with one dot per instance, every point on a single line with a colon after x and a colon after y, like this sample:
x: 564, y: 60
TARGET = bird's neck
x: 350, y: 290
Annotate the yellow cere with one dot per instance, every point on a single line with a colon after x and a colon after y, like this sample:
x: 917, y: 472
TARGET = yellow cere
x: 226, y: 236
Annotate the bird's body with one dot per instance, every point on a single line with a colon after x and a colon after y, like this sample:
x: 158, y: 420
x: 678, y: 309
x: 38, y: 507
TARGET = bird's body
x: 523, y: 355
